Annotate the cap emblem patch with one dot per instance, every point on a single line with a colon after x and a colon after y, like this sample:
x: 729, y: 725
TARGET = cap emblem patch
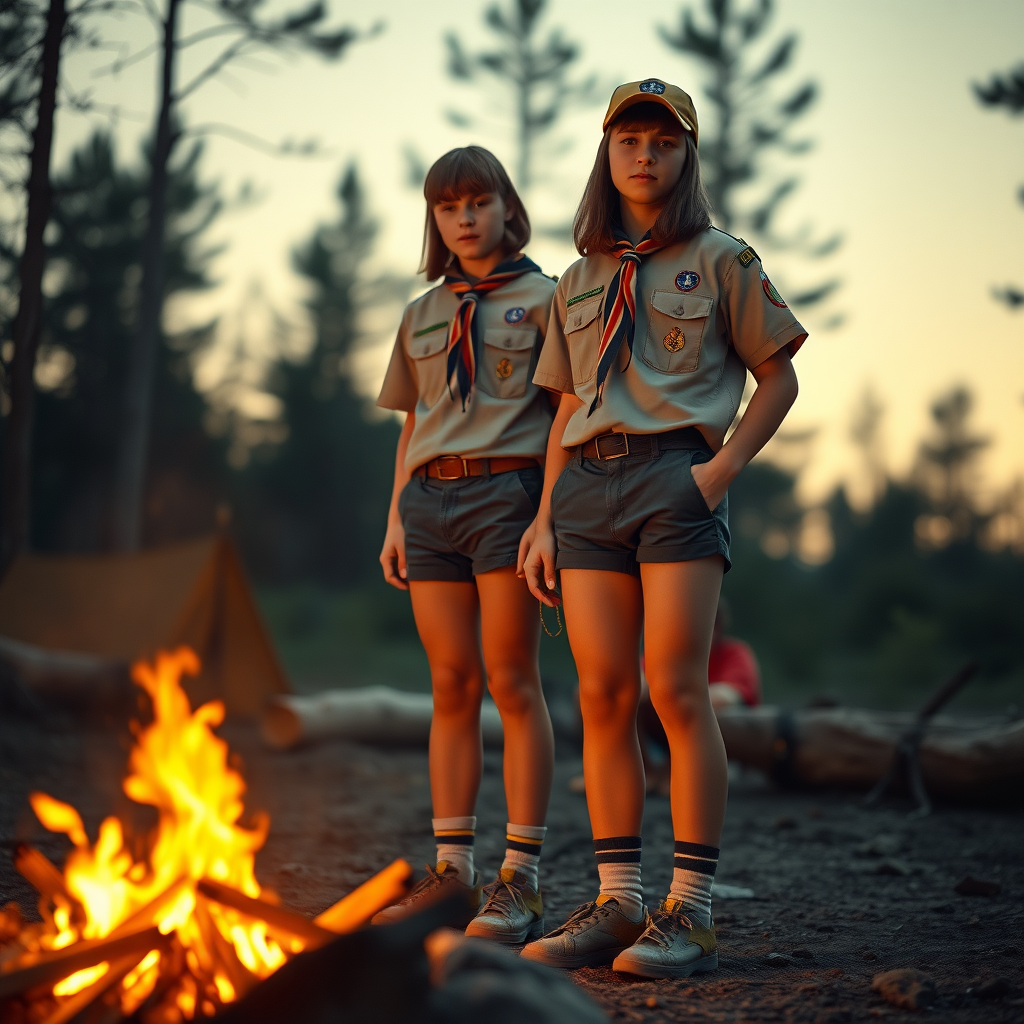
x: 504, y: 369
x: 769, y: 289
x: 687, y: 280
x: 514, y: 315
x: 674, y: 340
x: 652, y: 85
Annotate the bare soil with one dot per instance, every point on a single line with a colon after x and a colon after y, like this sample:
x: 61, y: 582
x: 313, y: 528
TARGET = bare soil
x: 841, y: 892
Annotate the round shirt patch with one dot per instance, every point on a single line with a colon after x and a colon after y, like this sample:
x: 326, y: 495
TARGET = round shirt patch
x: 773, y: 296
x: 687, y: 280
x: 652, y: 85
x: 514, y: 315
x: 504, y: 369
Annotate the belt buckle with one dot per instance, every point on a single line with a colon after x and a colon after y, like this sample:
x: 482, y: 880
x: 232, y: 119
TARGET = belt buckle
x: 441, y: 475
x: 615, y: 455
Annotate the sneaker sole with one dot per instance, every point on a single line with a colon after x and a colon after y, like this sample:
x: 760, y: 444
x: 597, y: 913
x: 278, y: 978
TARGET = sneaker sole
x: 648, y: 970
x: 599, y: 958
x: 531, y: 934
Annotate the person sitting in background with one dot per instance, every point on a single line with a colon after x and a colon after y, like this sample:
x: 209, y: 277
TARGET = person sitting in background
x: 734, y: 678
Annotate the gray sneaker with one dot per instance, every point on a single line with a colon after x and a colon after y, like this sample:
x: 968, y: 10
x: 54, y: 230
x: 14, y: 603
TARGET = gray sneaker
x: 440, y: 882
x: 512, y: 914
x: 673, y: 946
x: 594, y: 934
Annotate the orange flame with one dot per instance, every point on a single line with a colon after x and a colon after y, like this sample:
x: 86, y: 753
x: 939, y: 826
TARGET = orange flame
x: 180, y: 767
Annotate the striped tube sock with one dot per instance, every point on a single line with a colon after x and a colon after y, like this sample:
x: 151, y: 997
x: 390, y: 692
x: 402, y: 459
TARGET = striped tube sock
x: 522, y: 851
x: 618, y: 864
x: 454, y: 838
x: 692, y: 877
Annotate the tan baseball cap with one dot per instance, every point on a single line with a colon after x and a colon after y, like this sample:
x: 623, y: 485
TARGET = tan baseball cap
x: 653, y: 90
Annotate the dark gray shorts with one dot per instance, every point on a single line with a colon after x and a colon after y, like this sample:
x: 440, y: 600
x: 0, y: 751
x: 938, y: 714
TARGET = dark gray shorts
x: 615, y: 513
x: 458, y: 529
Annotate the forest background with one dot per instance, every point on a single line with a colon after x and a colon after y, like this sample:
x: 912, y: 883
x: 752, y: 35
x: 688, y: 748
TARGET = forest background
x: 871, y: 153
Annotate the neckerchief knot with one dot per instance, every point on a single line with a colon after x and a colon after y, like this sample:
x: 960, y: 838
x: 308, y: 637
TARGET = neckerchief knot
x: 464, y: 334
x: 620, y: 306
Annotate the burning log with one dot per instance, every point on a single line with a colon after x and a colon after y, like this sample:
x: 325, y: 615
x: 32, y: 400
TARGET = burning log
x: 39, y: 871
x: 356, y: 909
x: 370, y: 713
x: 312, y: 935
x: 78, y: 1006
x: 51, y: 966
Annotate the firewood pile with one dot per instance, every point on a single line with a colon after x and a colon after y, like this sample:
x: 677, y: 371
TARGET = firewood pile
x: 182, y: 932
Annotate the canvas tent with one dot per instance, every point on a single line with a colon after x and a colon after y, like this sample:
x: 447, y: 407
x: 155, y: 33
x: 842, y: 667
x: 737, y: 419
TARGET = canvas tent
x: 118, y: 608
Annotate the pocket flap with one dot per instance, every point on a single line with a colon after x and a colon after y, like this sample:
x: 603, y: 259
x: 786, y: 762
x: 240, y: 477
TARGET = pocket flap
x: 429, y: 344
x: 682, y: 307
x: 582, y: 314
x: 513, y: 339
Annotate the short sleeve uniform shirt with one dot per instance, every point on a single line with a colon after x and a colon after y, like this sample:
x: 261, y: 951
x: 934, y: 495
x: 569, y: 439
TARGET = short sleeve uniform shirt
x: 506, y: 413
x: 706, y: 313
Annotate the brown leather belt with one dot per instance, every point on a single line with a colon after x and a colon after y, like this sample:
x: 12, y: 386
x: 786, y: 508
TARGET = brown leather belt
x: 454, y: 467
x: 616, y: 445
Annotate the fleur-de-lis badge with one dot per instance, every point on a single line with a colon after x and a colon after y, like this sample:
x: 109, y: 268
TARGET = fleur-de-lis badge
x: 674, y: 340
x: 504, y: 369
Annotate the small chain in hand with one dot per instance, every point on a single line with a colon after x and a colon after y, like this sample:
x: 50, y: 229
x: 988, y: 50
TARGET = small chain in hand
x: 558, y: 619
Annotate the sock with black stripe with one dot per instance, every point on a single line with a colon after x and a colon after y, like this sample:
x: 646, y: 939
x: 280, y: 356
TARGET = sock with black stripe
x: 454, y: 838
x: 618, y: 864
x: 693, y: 874
x: 522, y: 851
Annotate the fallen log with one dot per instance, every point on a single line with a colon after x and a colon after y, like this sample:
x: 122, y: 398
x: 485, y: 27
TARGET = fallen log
x: 980, y: 760
x: 372, y: 713
x: 356, y: 909
x: 77, y: 1007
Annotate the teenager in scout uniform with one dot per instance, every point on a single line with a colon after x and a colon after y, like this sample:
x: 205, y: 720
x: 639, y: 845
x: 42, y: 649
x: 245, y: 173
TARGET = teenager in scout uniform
x: 468, y: 480
x: 650, y: 340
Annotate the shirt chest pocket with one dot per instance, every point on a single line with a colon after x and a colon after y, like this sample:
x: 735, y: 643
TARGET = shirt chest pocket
x: 675, y: 329
x: 429, y: 359
x: 507, y: 361
x: 583, y: 337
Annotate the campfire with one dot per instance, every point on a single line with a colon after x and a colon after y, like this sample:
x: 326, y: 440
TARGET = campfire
x: 184, y: 928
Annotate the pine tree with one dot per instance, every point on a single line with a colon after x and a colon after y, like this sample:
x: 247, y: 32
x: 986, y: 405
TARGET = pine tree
x: 748, y: 125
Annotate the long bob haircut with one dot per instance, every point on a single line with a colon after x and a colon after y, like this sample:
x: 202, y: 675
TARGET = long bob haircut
x: 470, y: 171
x: 686, y: 213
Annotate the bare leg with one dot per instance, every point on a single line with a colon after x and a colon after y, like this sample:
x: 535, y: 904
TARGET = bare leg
x: 446, y: 618
x: 681, y: 599
x: 511, y: 637
x: 604, y: 616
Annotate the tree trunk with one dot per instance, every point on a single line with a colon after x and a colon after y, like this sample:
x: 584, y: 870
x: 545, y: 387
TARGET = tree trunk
x: 17, y: 447
x: 138, y: 396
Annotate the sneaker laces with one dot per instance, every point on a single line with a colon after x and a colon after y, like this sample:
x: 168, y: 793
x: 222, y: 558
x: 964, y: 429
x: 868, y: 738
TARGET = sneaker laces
x: 433, y: 880
x: 581, y: 916
x: 502, y: 897
x: 664, y: 926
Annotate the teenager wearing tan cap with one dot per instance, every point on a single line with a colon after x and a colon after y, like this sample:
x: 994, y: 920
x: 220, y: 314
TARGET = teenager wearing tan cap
x: 651, y: 336
x: 467, y: 484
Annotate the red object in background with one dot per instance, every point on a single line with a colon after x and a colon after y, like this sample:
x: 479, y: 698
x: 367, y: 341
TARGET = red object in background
x: 733, y: 662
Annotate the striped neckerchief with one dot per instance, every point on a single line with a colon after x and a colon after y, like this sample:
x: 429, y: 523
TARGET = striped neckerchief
x: 463, y: 357
x: 620, y: 305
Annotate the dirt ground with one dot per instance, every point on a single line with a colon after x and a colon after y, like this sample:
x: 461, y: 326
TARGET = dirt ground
x: 841, y: 893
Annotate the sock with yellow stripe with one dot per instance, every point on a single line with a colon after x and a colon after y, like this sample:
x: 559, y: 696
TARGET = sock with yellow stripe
x: 618, y: 864
x: 693, y: 875
x: 454, y: 838
x: 522, y: 851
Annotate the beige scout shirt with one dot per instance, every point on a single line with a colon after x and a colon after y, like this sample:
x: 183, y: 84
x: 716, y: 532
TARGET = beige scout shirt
x: 506, y: 414
x: 702, y: 319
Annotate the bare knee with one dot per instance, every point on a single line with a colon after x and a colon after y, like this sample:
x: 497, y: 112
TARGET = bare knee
x: 608, y: 702
x: 515, y: 689
x: 680, y: 698
x: 457, y: 691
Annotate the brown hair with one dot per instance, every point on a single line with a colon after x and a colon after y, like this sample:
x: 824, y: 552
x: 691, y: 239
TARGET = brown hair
x: 687, y: 211
x: 469, y: 171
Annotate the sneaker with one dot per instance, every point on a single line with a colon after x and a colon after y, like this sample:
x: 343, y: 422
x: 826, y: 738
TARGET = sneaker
x: 440, y: 882
x: 594, y: 934
x: 673, y: 946
x: 512, y: 914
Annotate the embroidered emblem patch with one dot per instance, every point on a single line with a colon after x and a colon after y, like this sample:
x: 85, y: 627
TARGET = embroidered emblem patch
x: 584, y: 295
x: 747, y: 256
x: 652, y: 85
x: 504, y: 369
x: 687, y: 280
x: 514, y: 315
x: 769, y: 289
x: 674, y: 340
x: 430, y: 329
